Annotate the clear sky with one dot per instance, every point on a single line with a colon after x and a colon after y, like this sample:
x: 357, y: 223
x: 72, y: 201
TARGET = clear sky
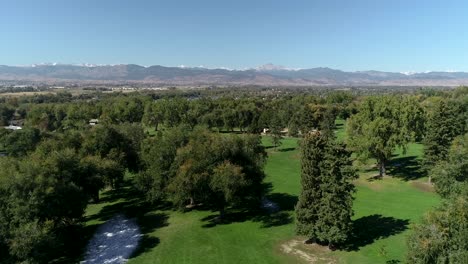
x: 390, y: 35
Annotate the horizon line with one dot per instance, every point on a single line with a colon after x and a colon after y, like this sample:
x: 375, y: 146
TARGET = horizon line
x: 182, y: 66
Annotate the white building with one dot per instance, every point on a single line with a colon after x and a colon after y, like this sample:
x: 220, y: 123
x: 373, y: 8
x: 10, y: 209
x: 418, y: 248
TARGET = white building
x: 12, y: 127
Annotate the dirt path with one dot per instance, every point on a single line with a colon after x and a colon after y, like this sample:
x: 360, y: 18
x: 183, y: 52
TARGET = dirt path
x: 310, y: 253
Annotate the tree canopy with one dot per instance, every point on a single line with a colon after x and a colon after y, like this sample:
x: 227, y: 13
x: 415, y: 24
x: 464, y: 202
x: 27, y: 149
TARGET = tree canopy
x: 382, y: 124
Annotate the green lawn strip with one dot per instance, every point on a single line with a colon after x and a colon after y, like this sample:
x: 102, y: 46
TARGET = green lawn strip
x: 186, y: 240
x: 340, y: 131
x: 387, y: 214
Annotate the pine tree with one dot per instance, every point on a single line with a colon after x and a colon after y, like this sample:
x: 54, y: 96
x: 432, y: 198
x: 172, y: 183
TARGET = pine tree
x: 324, y: 209
x: 312, y: 148
x: 334, y: 218
x: 444, y: 123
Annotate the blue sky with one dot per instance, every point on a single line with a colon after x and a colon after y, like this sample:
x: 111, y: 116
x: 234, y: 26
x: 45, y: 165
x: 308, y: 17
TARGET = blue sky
x: 390, y: 35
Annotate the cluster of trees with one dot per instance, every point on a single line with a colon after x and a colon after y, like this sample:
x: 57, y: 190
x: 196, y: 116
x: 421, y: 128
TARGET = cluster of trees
x: 202, y: 167
x: 442, y: 236
x: 247, y: 114
x: 19, y: 143
x: 384, y: 123
x: 6, y: 114
x: 46, y: 186
x: 381, y: 124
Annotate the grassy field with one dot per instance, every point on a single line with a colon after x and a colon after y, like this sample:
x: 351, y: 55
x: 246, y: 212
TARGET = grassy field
x: 384, y: 211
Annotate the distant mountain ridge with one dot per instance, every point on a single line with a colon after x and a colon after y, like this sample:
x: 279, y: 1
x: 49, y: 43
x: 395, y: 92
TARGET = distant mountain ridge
x: 268, y: 74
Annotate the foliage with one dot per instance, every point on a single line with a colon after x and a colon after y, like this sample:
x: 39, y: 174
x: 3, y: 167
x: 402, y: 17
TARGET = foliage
x: 6, y: 114
x: 41, y: 198
x: 442, y: 236
x: 382, y: 124
x: 202, y: 174
x: 118, y: 143
x: 18, y: 143
x: 451, y: 175
x: 445, y: 121
x: 227, y: 183
x: 157, y: 155
x: 276, y: 134
x: 324, y: 208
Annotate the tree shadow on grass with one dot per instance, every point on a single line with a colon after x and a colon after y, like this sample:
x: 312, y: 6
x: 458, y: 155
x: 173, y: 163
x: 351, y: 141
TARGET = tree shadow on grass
x: 285, y: 202
x: 126, y: 200
x: 370, y: 228
x: 286, y: 149
x: 406, y: 168
x: 279, y: 149
x: 148, y: 224
x: 266, y: 219
x: 278, y: 215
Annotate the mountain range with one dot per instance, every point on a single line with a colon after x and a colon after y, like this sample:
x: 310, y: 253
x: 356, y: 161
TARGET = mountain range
x: 266, y: 75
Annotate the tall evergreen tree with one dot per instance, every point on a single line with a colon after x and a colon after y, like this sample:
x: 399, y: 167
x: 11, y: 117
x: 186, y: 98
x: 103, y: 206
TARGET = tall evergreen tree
x: 451, y: 175
x: 307, y: 207
x: 444, y: 123
x: 324, y: 209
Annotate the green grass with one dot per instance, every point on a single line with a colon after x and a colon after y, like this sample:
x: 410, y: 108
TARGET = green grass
x: 340, y: 131
x: 384, y: 211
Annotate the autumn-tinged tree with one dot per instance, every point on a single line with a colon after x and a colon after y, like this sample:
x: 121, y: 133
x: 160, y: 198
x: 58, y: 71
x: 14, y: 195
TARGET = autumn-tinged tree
x: 442, y: 235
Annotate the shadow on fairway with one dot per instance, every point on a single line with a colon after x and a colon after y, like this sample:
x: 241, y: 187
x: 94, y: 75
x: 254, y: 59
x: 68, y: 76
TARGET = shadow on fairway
x: 286, y: 149
x: 282, y: 215
x: 406, y: 168
x: 149, y: 223
x: 370, y: 228
x: 285, y: 202
x: 279, y: 149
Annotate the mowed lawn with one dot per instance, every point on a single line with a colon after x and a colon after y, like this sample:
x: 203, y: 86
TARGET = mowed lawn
x: 384, y: 211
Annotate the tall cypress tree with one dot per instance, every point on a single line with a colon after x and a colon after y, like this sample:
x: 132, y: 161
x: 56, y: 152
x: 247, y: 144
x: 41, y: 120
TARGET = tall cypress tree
x: 324, y: 209
x: 312, y: 148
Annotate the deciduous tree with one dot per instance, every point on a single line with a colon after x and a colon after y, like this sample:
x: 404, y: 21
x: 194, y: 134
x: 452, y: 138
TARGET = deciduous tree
x: 382, y: 124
